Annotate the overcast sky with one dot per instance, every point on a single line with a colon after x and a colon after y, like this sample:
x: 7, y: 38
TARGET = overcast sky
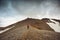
x: 15, y: 10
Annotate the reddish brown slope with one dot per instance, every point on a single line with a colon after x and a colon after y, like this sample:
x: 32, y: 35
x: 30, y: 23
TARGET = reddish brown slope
x: 32, y: 33
x: 40, y: 24
x: 30, y: 29
x: 36, y: 23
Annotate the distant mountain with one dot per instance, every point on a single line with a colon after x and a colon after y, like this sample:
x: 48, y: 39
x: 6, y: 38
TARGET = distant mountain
x: 31, y: 29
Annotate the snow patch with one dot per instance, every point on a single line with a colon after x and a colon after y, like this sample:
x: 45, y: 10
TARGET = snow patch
x: 55, y: 26
x: 6, y: 29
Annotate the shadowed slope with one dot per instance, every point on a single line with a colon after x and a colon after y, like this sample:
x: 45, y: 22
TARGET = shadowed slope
x: 2, y: 28
x: 47, y: 20
x: 56, y: 20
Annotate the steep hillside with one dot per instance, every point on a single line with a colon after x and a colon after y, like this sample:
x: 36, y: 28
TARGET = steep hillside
x: 36, y: 23
x: 39, y: 24
x: 30, y: 29
x: 29, y: 33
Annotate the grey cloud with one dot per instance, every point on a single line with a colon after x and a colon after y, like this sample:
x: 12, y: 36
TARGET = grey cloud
x: 20, y: 9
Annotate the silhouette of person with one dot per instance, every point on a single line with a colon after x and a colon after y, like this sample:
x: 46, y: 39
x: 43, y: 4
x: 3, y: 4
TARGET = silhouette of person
x: 27, y: 26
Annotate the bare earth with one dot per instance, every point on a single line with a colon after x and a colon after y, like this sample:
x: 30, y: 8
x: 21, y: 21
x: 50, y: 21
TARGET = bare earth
x: 30, y: 29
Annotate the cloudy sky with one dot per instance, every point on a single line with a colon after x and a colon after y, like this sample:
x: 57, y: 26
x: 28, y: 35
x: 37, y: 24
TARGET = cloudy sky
x: 12, y: 11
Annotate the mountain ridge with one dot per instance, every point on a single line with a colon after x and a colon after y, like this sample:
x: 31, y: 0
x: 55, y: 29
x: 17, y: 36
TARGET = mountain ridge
x: 30, y: 29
